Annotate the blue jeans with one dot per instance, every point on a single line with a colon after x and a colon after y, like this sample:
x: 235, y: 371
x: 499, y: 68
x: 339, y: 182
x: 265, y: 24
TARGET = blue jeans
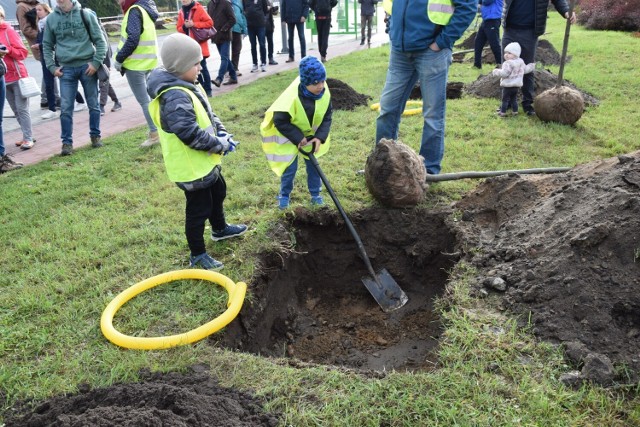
x: 2, y: 95
x: 257, y: 33
x: 405, y: 68
x: 49, y: 83
x: 68, y: 89
x: 299, y: 26
x: 314, y: 183
x: 138, y: 84
x: 225, y: 61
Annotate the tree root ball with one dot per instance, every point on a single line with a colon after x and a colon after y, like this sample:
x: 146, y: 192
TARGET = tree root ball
x: 395, y: 174
x: 560, y: 105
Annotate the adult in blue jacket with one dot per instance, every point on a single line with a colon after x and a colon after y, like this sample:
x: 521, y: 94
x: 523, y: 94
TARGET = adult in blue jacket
x: 491, y: 11
x: 524, y: 21
x: 295, y: 13
x: 421, y: 49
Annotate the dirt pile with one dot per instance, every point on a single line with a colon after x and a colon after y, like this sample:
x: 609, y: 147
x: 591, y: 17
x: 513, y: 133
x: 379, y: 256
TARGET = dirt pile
x: 546, y: 53
x: 566, y: 249
x: 344, y: 97
x: 488, y: 86
x: 171, y: 399
x: 395, y: 174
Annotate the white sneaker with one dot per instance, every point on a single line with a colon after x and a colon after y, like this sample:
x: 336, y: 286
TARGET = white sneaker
x: 79, y: 107
x: 263, y: 67
x: 50, y: 115
x: 254, y: 69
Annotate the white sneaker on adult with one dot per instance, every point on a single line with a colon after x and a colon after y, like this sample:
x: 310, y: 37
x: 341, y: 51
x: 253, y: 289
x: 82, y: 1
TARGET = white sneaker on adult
x: 50, y: 115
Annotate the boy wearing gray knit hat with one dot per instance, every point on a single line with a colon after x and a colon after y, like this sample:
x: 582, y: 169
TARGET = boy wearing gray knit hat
x: 193, y: 141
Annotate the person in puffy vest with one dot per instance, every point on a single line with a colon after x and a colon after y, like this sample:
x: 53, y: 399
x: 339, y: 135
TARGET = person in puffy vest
x: 489, y: 31
x: 193, y: 141
x: 524, y: 21
x: 322, y: 11
x: 422, y: 34
x: 300, y: 119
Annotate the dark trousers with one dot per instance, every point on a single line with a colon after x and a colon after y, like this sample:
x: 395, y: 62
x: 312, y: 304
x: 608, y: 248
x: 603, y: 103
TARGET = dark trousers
x: 204, y: 78
x: 323, y: 26
x: 106, y: 91
x: 49, y: 83
x: 268, y: 35
x: 528, y: 42
x: 256, y: 37
x: 203, y: 205
x: 489, y: 32
x: 299, y: 26
x: 365, y: 22
x: 236, y: 47
x: 509, y: 99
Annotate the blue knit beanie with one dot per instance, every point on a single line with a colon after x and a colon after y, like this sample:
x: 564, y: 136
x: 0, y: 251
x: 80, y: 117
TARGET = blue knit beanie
x: 311, y: 71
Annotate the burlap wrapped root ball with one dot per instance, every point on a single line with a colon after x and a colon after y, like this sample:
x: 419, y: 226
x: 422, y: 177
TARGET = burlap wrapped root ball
x: 395, y: 174
x: 560, y: 105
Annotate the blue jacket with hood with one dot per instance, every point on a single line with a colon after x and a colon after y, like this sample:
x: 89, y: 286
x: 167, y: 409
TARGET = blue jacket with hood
x: 410, y: 29
x: 491, y: 9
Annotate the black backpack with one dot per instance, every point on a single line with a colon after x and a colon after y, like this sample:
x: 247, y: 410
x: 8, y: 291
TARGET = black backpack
x: 32, y: 17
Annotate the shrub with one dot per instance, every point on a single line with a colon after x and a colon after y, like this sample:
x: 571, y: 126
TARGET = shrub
x: 619, y: 15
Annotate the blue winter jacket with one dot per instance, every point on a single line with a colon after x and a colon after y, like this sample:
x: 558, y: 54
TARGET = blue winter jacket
x: 410, y: 29
x: 491, y: 9
x: 292, y: 10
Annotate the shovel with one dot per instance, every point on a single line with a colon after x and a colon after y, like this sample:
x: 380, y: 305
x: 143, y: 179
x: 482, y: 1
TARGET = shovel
x: 381, y: 286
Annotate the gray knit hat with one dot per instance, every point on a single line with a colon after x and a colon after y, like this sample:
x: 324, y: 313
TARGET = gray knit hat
x: 179, y: 53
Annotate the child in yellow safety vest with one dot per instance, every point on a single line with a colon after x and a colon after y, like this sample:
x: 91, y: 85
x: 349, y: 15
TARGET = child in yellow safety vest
x: 193, y: 141
x: 300, y: 119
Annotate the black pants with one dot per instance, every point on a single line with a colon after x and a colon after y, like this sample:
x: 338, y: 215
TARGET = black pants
x: 236, y: 47
x: 509, y: 99
x: 299, y: 27
x: 489, y: 32
x: 203, y: 205
x: 268, y: 36
x: 323, y: 26
x: 528, y: 42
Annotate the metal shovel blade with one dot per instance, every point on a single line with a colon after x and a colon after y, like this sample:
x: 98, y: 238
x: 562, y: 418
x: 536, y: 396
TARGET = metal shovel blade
x: 385, y: 291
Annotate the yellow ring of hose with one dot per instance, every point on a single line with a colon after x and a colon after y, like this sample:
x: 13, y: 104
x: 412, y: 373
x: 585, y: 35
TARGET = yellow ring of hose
x: 407, y: 111
x: 236, y: 293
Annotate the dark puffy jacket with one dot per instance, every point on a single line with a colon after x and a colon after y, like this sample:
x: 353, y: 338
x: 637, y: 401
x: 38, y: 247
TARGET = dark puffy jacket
x: 256, y: 12
x: 541, y: 12
x: 410, y: 29
x: 134, y: 27
x: 292, y: 10
x: 224, y: 19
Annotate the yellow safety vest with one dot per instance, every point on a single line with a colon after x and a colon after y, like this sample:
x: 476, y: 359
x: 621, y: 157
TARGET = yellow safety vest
x: 438, y: 11
x: 184, y: 164
x: 145, y: 55
x: 279, y: 150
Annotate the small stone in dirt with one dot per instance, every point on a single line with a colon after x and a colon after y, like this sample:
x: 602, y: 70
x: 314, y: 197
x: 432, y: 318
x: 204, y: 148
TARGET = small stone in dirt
x: 496, y: 283
x: 571, y: 379
x: 598, y: 369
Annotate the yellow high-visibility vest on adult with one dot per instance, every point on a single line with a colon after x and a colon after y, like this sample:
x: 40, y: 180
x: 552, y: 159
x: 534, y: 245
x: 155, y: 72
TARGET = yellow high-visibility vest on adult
x: 145, y: 55
x: 279, y: 150
x: 184, y: 164
x: 439, y: 11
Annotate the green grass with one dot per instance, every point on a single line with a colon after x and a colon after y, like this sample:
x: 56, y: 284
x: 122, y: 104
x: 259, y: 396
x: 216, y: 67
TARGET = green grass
x: 77, y: 231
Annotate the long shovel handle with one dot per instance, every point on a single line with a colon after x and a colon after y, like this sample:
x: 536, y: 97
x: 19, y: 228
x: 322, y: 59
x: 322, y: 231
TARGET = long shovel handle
x: 565, y: 45
x: 347, y: 221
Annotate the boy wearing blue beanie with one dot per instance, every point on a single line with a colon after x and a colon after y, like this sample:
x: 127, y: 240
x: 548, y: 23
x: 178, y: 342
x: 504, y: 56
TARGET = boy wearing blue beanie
x: 301, y: 116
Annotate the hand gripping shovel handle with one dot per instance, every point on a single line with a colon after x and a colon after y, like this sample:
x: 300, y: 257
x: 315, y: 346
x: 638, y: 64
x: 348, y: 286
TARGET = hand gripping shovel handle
x: 352, y: 230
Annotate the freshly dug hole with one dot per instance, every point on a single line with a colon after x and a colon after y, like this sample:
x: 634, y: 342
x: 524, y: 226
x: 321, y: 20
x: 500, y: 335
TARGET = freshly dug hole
x: 309, y: 303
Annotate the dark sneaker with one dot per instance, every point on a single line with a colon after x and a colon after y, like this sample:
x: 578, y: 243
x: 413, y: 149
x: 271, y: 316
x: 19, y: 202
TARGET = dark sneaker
x: 96, y: 142
x: 7, y: 164
x: 230, y: 82
x: 229, y: 231
x: 102, y: 112
x: 317, y: 201
x: 273, y: 62
x: 530, y: 112
x: 205, y: 261
x: 67, y: 150
x: 116, y: 107
x: 216, y: 82
x: 290, y: 60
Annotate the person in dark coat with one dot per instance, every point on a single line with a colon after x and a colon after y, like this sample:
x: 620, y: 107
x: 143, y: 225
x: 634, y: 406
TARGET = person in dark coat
x: 295, y: 13
x: 322, y: 12
x: 255, y: 11
x: 269, y: 29
x: 489, y: 31
x: 224, y: 19
x: 524, y: 21
x: 367, y: 10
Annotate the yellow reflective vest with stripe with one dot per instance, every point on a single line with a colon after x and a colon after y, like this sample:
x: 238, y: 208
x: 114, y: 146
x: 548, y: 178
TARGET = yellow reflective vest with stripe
x: 183, y: 163
x: 279, y: 150
x: 439, y: 11
x: 145, y: 55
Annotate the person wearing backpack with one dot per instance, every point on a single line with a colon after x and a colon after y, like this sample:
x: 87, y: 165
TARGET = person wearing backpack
x: 322, y: 12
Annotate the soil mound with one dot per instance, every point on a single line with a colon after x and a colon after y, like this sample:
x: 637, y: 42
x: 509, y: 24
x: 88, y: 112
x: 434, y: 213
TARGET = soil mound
x: 344, y: 97
x: 169, y: 399
x: 488, y: 86
x: 545, y: 52
x: 567, y: 246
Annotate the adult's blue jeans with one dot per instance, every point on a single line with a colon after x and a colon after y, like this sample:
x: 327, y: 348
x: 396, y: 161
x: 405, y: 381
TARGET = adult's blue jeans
x: 68, y: 89
x: 405, y: 68
x: 2, y: 96
x: 314, y: 183
x: 528, y: 42
x: 49, y: 83
x: 256, y: 36
x: 138, y: 83
x: 225, y: 62
x: 204, y: 78
x: 298, y: 26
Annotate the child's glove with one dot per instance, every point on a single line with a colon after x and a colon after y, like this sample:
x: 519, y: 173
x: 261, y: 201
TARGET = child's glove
x: 232, y: 145
x: 496, y: 72
x: 223, y: 140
